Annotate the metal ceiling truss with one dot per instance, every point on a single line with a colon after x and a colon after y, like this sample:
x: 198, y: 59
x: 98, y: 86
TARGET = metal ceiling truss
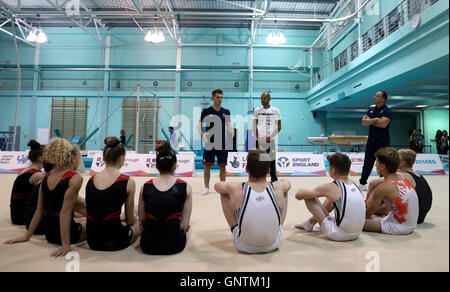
x: 261, y: 9
x: 62, y: 8
x: 176, y: 26
x: 8, y: 14
x: 165, y: 22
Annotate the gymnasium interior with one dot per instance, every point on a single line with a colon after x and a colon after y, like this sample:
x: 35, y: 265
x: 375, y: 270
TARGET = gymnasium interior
x: 87, y: 69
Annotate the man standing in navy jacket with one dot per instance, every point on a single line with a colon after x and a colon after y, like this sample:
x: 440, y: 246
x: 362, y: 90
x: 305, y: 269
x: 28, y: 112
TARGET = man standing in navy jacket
x: 378, y: 119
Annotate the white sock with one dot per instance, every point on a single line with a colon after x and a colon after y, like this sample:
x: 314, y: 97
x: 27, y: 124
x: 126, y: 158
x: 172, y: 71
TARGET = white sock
x: 205, y: 191
x: 306, y: 225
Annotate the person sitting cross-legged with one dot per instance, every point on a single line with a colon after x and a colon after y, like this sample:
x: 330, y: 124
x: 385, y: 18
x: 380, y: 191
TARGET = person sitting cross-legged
x: 255, y: 210
x: 343, y: 196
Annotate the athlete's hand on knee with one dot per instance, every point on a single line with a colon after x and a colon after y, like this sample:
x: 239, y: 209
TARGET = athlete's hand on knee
x: 17, y: 240
x: 61, y: 252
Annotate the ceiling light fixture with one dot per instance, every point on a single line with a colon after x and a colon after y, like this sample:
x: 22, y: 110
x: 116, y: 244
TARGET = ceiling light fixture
x: 41, y: 37
x: 421, y: 105
x: 32, y: 37
x: 155, y: 36
x: 275, y: 37
x: 37, y: 36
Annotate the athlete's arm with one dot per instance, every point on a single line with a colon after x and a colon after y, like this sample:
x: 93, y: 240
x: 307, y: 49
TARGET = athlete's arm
x: 37, y: 217
x: 65, y: 217
x: 223, y: 188
x: 141, y: 208
x: 187, y: 210
x: 381, y: 122
x: 383, y: 191
x: 129, y: 204
x: 409, y: 178
x: 330, y: 191
x: 200, y: 131
x: 230, y: 128
x: 284, y: 186
x: 35, y: 178
x: 255, y: 128
x: 366, y: 121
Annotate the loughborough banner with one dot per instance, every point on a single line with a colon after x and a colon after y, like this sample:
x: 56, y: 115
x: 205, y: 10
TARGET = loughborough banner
x: 145, y: 165
x: 426, y: 164
x: 288, y: 164
x: 13, y: 162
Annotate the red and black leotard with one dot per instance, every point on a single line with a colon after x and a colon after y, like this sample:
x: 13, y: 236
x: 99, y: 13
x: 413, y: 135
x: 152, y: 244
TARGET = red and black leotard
x: 30, y: 209
x: 53, y: 202
x: 162, y: 233
x: 19, y: 196
x: 104, y: 227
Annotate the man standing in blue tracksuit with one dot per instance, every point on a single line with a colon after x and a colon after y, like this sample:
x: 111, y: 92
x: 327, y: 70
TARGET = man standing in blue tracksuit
x: 378, y: 119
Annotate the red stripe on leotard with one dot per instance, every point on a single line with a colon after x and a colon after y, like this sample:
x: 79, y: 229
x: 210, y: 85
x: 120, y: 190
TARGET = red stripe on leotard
x: 179, y: 181
x: 69, y: 174
x: 122, y: 177
x: 174, y: 216
x: 89, y: 217
x: 150, y: 216
x: 112, y: 216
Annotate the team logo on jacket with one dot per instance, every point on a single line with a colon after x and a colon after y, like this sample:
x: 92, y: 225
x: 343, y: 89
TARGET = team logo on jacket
x: 260, y: 198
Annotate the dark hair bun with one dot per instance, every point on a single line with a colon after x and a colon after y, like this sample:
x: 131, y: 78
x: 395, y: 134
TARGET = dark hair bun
x: 111, y: 141
x: 164, y: 149
x: 34, y: 145
x: 165, y: 158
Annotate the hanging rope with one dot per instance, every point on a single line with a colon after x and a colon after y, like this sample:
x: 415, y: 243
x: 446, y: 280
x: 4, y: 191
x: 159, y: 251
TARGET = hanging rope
x: 19, y: 84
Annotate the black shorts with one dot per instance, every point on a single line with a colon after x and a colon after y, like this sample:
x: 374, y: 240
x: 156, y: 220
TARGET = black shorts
x: 209, y: 156
x: 53, y: 232
x: 111, y: 240
x: 163, y: 244
x: 17, y: 212
x: 29, y: 213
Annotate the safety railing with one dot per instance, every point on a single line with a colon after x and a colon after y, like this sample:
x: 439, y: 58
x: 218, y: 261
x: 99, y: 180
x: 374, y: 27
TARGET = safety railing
x: 396, y: 18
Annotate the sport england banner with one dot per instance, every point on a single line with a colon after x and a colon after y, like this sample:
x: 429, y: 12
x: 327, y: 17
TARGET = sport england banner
x: 287, y: 164
x: 145, y: 165
x: 13, y: 162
